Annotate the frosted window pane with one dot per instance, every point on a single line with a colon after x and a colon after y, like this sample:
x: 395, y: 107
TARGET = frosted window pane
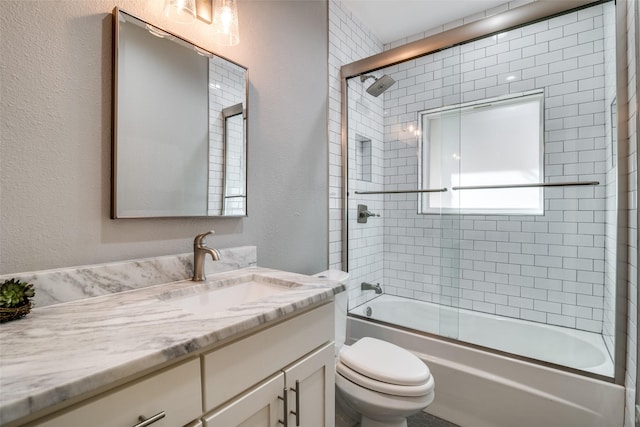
x: 496, y: 142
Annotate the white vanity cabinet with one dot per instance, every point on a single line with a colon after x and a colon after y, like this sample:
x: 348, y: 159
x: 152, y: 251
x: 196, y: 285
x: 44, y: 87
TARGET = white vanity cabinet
x: 251, y: 377
x: 241, y: 383
x: 173, y: 396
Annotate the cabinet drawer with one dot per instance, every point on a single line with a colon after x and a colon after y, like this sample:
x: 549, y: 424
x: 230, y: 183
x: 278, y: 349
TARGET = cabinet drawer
x: 175, y: 391
x: 230, y: 370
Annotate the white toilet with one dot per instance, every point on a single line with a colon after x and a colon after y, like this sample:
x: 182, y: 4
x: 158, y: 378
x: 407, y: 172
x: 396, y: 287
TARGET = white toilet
x: 380, y: 382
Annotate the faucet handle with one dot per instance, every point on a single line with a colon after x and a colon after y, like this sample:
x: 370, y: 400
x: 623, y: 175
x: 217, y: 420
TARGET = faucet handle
x: 198, y: 241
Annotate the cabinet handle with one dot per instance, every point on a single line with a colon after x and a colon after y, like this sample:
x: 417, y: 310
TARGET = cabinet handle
x: 297, y: 411
x: 144, y: 422
x: 285, y: 423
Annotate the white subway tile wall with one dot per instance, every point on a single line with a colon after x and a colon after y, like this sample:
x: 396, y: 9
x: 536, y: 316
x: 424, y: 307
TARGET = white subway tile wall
x: 546, y: 268
x: 610, y: 127
x: 366, y: 249
x: 350, y: 41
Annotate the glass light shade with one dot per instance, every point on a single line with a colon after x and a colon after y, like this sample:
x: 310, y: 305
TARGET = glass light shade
x: 180, y: 10
x: 225, y: 23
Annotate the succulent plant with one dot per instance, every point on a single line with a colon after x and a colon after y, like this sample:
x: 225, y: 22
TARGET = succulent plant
x: 14, y: 293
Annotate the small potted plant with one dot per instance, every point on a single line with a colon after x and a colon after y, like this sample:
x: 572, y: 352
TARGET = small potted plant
x: 15, y: 299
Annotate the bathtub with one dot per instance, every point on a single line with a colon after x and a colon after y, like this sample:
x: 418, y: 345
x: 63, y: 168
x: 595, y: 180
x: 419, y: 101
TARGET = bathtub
x: 478, y: 388
x: 561, y: 346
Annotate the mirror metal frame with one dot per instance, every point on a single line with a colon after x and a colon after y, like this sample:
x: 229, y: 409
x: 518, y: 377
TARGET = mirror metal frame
x: 114, y: 116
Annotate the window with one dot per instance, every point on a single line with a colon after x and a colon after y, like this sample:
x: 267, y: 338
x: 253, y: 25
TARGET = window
x: 491, y: 142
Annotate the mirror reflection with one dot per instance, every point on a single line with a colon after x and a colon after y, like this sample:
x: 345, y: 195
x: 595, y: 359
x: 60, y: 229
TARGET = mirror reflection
x: 235, y: 199
x: 172, y: 140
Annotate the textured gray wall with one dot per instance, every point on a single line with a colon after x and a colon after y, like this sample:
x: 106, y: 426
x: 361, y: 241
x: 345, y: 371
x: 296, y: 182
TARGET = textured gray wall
x: 55, y: 137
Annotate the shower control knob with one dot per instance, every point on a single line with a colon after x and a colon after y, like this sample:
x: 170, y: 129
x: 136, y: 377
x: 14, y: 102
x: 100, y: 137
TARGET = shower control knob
x: 364, y: 214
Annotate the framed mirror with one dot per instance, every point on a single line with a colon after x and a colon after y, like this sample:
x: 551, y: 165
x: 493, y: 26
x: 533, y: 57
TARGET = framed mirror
x: 177, y: 149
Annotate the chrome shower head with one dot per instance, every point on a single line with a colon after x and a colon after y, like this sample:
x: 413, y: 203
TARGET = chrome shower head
x: 379, y: 85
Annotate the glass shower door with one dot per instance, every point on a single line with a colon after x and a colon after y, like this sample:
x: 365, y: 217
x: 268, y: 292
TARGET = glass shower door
x: 494, y: 169
x: 365, y: 200
x: 439, y: 169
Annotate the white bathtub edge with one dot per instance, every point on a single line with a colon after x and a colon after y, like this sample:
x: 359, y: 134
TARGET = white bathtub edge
x: 503, y: 381
x: 480, y: 389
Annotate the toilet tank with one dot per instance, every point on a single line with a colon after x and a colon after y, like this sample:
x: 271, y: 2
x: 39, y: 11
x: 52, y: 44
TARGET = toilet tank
x: 341, y: 301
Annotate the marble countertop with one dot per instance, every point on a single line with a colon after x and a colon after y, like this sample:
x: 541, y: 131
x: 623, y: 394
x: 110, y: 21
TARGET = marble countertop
x: 65, y: 350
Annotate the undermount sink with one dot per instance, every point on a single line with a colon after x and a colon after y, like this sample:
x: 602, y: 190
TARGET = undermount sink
x: 223, y: 298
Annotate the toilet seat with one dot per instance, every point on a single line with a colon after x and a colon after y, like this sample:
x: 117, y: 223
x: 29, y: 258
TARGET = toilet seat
x: 382, y: 387
x: 384, y: 367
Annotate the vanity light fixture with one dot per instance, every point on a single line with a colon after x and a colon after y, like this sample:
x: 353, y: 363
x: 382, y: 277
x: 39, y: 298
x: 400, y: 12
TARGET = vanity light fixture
x: 225, y: 23
x: 183, y: 11
x: 224, y: 20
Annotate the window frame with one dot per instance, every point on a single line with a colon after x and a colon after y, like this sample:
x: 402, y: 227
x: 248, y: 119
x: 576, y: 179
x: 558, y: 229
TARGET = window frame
x: 424, y: 151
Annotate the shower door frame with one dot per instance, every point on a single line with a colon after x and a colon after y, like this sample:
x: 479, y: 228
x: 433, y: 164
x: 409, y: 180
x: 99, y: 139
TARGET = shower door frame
x: 517, y: 17
x: 636, y: 12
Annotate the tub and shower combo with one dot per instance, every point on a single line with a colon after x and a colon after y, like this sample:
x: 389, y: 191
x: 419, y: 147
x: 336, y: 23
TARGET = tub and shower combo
x: 482, y: 194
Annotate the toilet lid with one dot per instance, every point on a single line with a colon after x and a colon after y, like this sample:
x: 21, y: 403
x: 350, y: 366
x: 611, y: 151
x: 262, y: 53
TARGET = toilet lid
x: 386, y: 362
x: 382, y: 387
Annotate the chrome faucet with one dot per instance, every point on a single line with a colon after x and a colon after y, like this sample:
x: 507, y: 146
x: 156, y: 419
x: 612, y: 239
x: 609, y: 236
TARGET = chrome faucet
x: 200, y: 250
x: 369, y: 287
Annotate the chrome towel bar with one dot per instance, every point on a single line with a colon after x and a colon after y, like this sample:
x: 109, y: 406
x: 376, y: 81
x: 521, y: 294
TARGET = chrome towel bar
x: 435, y: 190
x: 532, y: 185
x: 486, y: 187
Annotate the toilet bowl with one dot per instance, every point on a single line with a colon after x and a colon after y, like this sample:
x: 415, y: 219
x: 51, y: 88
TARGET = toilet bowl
x: 377, y: 382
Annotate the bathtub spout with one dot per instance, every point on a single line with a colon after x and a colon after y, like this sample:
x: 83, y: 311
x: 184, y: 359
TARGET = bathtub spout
x: 368, y: 286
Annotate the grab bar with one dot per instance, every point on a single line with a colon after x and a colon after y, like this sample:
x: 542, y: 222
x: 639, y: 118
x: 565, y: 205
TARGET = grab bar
x: 538, y: 184
x: 433, y: 190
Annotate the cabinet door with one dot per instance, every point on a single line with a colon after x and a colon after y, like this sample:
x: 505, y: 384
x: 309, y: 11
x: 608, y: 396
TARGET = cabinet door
x: 311, y: 383
x: 252, y: 359
x: 259, y: 407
